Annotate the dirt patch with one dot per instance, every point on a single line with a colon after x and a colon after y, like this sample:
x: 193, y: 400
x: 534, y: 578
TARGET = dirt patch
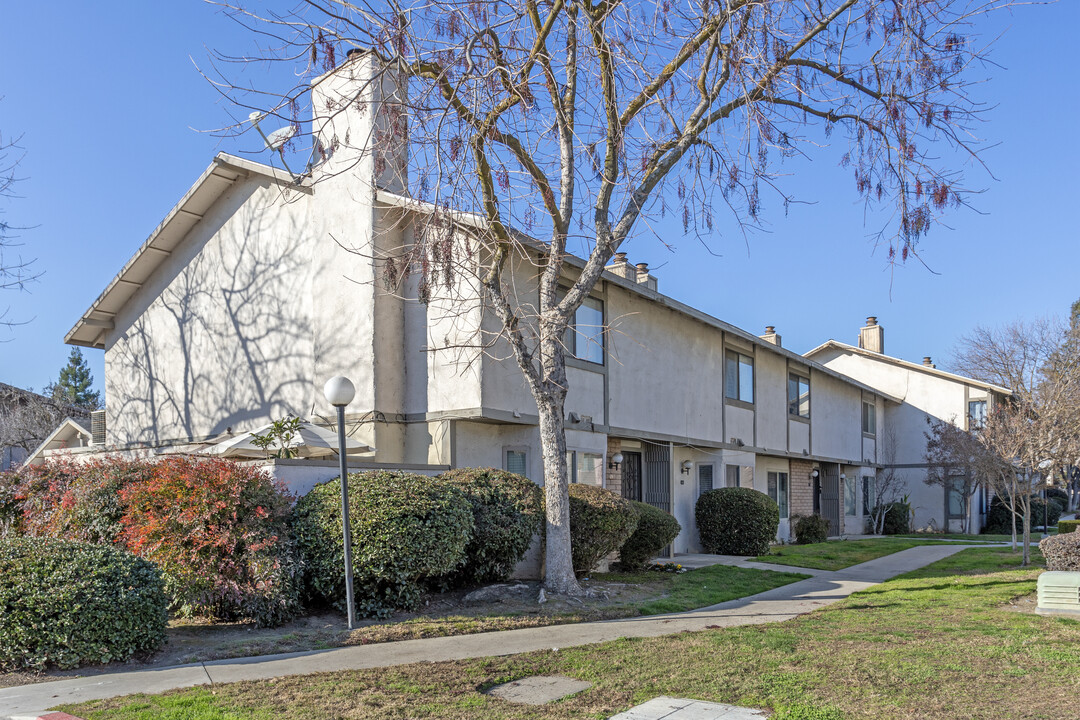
x: 1023, y: 604
x: 191, y: 641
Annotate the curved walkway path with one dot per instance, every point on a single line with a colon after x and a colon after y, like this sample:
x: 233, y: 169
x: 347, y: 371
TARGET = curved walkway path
x: 783, y: 603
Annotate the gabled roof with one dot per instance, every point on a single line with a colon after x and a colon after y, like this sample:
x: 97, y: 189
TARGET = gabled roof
x: 473, y: 220
x: 844, y: 347
x: 71, y: 428
x: 223, y: 172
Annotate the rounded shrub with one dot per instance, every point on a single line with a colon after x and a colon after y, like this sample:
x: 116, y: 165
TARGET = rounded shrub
x: 897, y: 518
x: 1067, y: 526
x: 406, y: 530
x: 656, y: 529
x: 600, y: 522
x: 810, y: 529
x: 79, y: 500
x: 1062, y: 552
x: 736, y: 521
x: 68, y: 604
x: 219, y: 532
x: 507, y: 511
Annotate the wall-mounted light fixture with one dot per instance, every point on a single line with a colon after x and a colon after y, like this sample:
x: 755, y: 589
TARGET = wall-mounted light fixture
x: 686, y: 466
x: 814, y: 475
x: 843, y: 476
x: 615, y: 461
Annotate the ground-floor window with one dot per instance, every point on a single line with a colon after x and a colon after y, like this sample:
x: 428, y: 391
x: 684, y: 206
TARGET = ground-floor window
x: 778, y: 491
x: 869, y: 494
x: 955, y: 498
x: 850, y: 507
x: 704, y: 478
x: 585, y: 467
x: 517, y: 462
x: 732, y: 475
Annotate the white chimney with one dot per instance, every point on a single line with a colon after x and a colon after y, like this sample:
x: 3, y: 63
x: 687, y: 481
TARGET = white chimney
x: 622, y: 267
x: 643, y: 276
x: 359, y: 121
x: 872, y: 337
x: 770, y: 335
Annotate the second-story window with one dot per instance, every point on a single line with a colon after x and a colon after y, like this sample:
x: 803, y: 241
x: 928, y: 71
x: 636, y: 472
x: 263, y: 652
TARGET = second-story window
x: 585, y: 336
x: 739, y: 377
x: 869, y: 418
x: 977, y: 413
x: 798, y: 395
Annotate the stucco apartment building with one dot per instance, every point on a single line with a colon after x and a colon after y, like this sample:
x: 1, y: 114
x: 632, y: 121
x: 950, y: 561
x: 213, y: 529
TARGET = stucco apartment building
x: 924, y: 394
x: 246, y: 298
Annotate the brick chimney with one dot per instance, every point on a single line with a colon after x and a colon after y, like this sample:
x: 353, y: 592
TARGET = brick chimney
x: 770, y: 335
x: 872, y: 337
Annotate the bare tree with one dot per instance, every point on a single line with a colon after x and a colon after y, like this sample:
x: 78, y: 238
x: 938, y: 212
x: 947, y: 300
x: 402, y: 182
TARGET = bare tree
x: 1035, y: 433
x: 956, y: 461
x: 27, y: 418
x: 545, y: 129
x: 15, y: 270
x: 888, y: 484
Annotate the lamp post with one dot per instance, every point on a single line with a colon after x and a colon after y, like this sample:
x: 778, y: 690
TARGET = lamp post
x: 339, y: 392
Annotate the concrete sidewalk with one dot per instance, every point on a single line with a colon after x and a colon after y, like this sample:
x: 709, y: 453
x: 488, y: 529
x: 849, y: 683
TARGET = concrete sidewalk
x: 775, y: 605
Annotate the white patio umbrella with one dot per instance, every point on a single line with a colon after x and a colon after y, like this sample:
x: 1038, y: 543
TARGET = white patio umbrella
x: 309, y: 441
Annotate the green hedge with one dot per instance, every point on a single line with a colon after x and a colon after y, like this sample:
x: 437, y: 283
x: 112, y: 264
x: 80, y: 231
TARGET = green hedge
x: 600, y: 522
x: 656, y: 529
x: 68, y: 604
x: 407, y: 529
x: 1067, y: 526
x: 999, y: 519
x: 810, y: 529
x: 507, y: 510
x: 736, y: 521
x: 1062, y: 552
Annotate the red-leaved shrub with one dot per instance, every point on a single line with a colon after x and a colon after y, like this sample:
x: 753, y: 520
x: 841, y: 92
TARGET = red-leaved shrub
x: 71, y: 499
x: 219, y: 532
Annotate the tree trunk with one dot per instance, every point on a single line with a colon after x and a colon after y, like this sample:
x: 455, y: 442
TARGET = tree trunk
x: 1027, y: 534
x: 559, y: 568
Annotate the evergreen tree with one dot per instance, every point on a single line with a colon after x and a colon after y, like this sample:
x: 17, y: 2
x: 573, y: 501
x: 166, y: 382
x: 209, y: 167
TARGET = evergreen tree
x: 75, y: 383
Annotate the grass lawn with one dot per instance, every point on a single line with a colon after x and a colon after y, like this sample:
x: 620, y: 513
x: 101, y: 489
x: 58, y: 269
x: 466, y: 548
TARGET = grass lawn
x: 716, y: 584
x: 942, y: 642
x: 838, y: 554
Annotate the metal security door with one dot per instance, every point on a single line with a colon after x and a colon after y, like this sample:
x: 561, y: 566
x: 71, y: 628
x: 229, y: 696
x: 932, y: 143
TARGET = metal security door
x: 658, y: 475
x: 830, y: 498
x: 631, y: 476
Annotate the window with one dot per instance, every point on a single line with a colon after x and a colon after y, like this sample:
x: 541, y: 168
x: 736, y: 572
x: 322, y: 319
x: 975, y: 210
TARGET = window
x: 977, y: 413
x: 778, y: 491
x: 869, y: 494
x: 739, y: 377
x: 849, y: 496
x: 955, y: 497
x: 704, y: 478
x: 869, y: 418
x: 585, y: 467
x: 732, y: 476
x: 585, y: 336
x: 798, y: 396
x: 516, y: 462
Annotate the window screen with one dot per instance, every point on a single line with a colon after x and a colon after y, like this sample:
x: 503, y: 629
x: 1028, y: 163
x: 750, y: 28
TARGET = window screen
x: 705, y: 478
x: 516, y: 462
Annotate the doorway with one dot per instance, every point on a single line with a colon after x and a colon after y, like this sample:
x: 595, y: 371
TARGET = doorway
x: 631, y: 476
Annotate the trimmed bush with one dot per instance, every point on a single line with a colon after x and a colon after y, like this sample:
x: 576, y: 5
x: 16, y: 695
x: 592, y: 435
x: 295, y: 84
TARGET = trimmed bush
x: 600, y: 522
x: 219, y: 532
x: 736, y: 521
x: 1067, y: 526
x: 65, y: 498
x: 70, y: 603
x: 810, y: 529
x: 999, y: 519
x: 655, y: 531
x: 897, y: 518
x: 1062, y: 552
x: 507, y: 511
x: 406, y: 530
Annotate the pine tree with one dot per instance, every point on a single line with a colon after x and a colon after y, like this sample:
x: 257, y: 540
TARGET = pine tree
x: 75, y: 383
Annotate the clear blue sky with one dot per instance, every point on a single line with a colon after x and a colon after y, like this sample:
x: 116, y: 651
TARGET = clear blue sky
x: 110, y: 105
